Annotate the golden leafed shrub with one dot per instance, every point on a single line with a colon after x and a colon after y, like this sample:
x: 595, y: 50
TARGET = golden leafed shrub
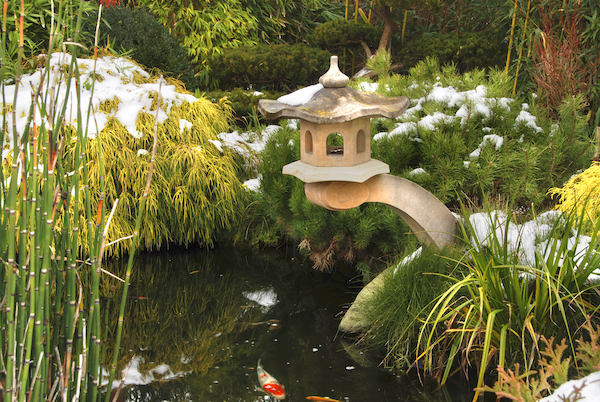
x: 581, y: 194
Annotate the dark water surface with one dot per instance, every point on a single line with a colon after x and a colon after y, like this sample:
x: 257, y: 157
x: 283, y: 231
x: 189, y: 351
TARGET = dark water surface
x: 198, y: 321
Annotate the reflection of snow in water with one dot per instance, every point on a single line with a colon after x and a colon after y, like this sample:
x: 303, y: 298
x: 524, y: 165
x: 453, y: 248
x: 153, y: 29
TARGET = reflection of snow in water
x: 266, y: 298
x: 135, y: 377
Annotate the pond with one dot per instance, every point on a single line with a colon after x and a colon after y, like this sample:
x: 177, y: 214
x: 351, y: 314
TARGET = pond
x: 198, y: 321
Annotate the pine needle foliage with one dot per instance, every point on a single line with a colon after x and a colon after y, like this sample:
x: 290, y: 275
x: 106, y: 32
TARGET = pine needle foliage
x: 354, y: 236
x: 447, y: 138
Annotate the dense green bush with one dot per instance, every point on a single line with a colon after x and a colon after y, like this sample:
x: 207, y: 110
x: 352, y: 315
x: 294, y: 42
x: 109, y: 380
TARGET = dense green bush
x: 148, y: 42
x: 274, y: 66
x: 440, y: 134
x: 340, y: 32
x: 467, y: 50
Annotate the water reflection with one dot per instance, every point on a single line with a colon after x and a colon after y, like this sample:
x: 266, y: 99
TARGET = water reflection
x: 180, y: 313
x: 198, y: 322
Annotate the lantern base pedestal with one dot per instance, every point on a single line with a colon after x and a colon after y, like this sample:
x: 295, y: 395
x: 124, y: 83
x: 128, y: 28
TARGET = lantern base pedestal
x: 425, y: 215
x: 356, y: 174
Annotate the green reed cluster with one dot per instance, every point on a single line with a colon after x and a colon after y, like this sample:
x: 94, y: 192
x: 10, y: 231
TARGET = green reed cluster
x: 497, y: 312
x: 51, y: 331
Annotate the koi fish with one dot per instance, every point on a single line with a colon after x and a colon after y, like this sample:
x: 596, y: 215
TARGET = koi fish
x: 322, y: 399
x: 269, y: 384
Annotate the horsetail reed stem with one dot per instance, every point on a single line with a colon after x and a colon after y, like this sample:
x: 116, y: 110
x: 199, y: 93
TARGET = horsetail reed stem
x: 521, y: 49
x: 138, y: 224
x: 12, y: 267
x: 512, y: 36
x: 45, y: 201
x: 404, y: 22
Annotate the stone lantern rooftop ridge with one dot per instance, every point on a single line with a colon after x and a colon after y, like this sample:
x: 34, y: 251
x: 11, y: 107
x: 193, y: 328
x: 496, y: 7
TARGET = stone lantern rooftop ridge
x: 335, y: 102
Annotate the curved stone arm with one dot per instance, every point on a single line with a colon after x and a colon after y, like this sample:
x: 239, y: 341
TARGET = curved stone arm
x: 426, y: 216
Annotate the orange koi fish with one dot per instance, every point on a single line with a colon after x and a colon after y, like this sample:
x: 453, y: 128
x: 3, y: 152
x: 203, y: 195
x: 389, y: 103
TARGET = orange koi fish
x: 321, y: 399
x: 269, y: 384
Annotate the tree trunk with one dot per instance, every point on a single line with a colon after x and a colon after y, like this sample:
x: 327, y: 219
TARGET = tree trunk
x: 388, y: 28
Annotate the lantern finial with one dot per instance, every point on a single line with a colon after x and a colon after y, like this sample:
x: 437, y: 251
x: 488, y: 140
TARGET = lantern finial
x: 334, y: 78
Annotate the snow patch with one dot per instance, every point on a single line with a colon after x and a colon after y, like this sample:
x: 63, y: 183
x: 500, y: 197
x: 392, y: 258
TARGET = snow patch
x: 301, y: 96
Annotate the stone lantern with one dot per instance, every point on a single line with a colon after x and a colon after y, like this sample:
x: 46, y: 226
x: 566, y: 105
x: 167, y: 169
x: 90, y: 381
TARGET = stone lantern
x: 340, y: 177
x: 335, y: 109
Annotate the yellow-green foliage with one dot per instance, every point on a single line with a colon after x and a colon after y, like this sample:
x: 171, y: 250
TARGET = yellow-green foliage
x: 581, y: 191
x: 194, y: 191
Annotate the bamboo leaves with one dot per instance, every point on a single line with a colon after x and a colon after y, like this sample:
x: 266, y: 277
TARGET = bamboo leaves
x: 207, y: 28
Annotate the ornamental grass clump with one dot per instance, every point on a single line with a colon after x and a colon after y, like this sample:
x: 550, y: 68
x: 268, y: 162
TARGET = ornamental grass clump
x: 522, y: 282
x: 396, y: 310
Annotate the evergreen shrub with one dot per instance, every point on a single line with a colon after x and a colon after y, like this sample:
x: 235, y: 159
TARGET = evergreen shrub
x: 271, y: 66
x: 446, y: 137
x: 195, y: 192
x: 468, y: 50
x: 354, y: 236
x: 582, y: 194
x: 138, y: 34
x: 339, y: 32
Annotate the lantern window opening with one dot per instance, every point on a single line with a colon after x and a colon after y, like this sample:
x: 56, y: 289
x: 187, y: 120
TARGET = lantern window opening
x: 361, y: 142
x: 308, y: 142
x: 335, y: 144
